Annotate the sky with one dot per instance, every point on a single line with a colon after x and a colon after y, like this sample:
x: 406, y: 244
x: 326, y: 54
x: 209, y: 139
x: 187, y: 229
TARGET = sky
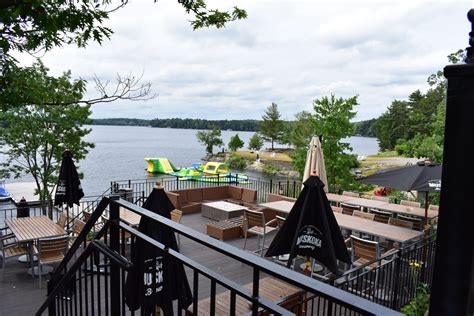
x: 287, y: 52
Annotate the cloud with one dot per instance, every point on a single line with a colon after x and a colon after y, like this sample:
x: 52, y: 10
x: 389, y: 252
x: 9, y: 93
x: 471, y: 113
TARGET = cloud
x: 287, y: 52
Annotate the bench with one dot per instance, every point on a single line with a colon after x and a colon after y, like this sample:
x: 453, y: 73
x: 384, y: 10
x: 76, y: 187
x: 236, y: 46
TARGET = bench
x: 225, y: 229
x: 190, y: 200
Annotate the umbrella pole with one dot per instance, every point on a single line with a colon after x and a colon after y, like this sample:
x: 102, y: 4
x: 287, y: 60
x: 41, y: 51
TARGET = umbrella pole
x: 426, y: 210
x: 67, y: 217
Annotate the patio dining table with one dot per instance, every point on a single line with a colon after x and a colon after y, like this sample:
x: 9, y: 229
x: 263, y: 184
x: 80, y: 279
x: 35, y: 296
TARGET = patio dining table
x: 382, y: 205
x: 31, y: 229
x: 376, y: 229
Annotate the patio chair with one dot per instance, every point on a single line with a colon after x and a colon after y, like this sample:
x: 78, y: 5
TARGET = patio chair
x: 254, y: 223
x: 349, y: 209
x: 62, y: 219
x: 381, y: 216
x: 417, y: 222
x: 77, y: 227
x: 336, y: 209
x: 9, y: 248
x: 364, y: 251
x: 176, y: 217
x: 280, y: 221
x: 350, y: 193
x: 381, y: 198
x: 51, y: 250
x: 400, y: 223
x: 367, y: 253
x: 365, y: 215
x: 410, y: 203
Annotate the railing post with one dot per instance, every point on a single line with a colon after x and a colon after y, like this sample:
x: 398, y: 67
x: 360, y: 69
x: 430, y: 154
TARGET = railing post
x: 114, y: 269
x: 454, y: 261
x: 52, y: 306
x: 271, y: 185
x: 177, y: 183
x: 396, y: 284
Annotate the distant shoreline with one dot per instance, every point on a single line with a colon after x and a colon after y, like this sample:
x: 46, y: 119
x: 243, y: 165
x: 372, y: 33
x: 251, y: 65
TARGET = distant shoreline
x: 246, y: 125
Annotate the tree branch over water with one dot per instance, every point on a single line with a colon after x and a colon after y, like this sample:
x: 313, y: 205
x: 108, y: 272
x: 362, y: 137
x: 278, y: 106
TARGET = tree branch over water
x: 129, y: 87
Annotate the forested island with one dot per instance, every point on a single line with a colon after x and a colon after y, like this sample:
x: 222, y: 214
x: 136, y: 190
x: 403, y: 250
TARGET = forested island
x: 187, y: 123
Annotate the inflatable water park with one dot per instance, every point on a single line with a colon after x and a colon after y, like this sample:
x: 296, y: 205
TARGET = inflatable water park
x: 216, y: 172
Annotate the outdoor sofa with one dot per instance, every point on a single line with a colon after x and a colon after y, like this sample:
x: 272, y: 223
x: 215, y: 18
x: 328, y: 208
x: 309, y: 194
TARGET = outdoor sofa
x: 190, y: 200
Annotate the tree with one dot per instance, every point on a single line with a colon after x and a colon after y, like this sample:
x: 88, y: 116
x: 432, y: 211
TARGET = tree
x: 21, y: 91
x: 302, y: 129
x: 36, y: 25
x: 235, y: 143
x: 210, y: 138
x: 36, y: 134
x: 331, y: 119
x: 271, y: 128
x: 392, y: 125
x: 255, y: 142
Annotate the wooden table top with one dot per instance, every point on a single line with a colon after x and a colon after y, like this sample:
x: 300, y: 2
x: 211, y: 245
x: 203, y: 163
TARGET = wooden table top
x: 33, y: 228
x: 279, y: 206
x: 376, y: 229
x: 270, y: 288
x: 381, y: 205
x: 359, y: 224
x: 408, y: 210
x: 338, y: 198
x: 366, y: 203
x: 129, y: 217
x: 225, y: 206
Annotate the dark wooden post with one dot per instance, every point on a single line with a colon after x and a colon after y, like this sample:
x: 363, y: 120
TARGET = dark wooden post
x: 455, y: 242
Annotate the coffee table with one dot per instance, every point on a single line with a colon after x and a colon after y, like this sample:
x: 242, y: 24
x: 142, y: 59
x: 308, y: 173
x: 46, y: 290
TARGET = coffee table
x: 221, y: 210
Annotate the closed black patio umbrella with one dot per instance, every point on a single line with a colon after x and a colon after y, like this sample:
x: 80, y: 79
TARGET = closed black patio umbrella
x: 422, y: 177
x: 68, y: 189
x: 311, y: 229
x: 22, y: 209
x: 156, y: 279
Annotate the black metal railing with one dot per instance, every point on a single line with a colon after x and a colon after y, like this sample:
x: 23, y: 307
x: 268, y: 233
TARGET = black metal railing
x: 94, y: 283
x: 393, y: 280
x: 290, y: 188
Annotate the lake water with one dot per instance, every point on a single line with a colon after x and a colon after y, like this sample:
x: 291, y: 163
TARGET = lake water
x: 120, y: 150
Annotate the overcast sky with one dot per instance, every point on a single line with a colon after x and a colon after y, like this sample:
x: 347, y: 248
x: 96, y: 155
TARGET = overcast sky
x: 287, y: 52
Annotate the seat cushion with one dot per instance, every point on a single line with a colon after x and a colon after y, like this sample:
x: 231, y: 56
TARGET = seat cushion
x: 234, y: 193
x: 215, y: 193
x: 249, y: 195
x: 183, y: 197
x: 194, y: 195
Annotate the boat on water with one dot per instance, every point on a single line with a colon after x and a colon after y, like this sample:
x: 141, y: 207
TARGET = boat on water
x: 215, y: 172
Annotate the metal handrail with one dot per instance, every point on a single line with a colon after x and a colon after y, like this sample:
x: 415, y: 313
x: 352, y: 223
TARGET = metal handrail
x: 324, y: 290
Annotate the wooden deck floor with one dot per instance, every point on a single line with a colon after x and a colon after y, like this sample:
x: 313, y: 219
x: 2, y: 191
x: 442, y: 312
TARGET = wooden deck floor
x: 20, y: 294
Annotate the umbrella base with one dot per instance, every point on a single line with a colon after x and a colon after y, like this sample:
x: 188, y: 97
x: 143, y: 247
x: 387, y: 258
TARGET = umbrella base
x: 26, y: 259
x: 44, y: 270
x: 316, y: 267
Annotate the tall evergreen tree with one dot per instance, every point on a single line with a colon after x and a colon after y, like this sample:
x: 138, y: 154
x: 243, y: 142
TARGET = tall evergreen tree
x: 272, y: 126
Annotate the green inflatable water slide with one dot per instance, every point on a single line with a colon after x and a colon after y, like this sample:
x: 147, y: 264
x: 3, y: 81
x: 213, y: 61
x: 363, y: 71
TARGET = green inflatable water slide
x: 160, y: 165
